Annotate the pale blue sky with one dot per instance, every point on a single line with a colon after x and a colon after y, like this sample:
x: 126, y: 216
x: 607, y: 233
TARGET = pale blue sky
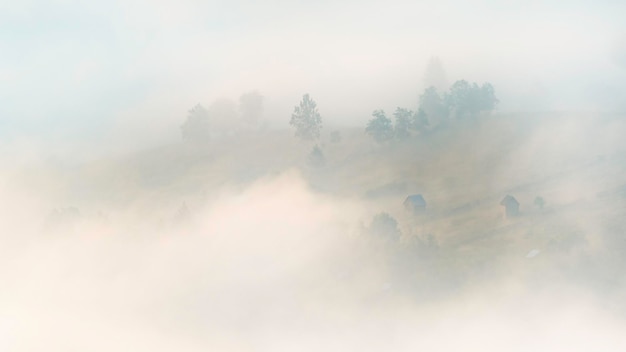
x: 72, y: 69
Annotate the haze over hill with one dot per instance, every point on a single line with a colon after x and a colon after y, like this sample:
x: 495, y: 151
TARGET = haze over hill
x: 268, y: 252
x: 330, y: 176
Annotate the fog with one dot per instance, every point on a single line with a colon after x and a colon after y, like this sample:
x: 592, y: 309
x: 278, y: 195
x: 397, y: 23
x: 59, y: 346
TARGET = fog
x: 91, y: 71
x: 337, y: 176
x: 274, y: 266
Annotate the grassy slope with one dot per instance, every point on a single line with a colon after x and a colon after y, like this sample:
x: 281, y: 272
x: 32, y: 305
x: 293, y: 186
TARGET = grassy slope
x: 575, y: 162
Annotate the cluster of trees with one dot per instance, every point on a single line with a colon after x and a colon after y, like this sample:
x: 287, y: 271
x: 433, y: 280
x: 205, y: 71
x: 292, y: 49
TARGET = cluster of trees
x: 223, y: 117
x: 463, y: 100
x: 382, y: 129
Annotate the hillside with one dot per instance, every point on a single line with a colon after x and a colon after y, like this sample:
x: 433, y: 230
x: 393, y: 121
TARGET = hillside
x: 575, y: 163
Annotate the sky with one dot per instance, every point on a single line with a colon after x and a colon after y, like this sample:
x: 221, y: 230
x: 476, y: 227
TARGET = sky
x: 129, y: 70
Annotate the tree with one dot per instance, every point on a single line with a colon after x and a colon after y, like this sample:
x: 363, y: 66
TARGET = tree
x: 403, y: 123
x: 384, y: 226
x: 488, y: 97
x: 335, y: 137
x: 419, y: 121
x: 251, y: 108
x: 432, y: 105
x: 306, y: 119
x: 457, y: 99
x: 468, y: 100
x: 196, y: 128
x: 380, y: 127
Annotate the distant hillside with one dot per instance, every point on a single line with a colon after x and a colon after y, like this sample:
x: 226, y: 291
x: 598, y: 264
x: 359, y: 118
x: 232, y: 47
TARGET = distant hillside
x: 576, y: 163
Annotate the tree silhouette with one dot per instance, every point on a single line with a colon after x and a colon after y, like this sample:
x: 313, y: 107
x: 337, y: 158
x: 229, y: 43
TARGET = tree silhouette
x: 196, y: 126
x: 306, y: 119
x: 380, y: 127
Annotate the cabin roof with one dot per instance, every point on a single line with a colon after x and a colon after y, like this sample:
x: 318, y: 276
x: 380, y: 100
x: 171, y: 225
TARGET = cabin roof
x: 509, y: 200
x: 416, y: 200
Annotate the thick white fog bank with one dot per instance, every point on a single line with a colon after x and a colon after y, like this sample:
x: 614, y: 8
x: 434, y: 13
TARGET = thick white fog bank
x: 275, y: 267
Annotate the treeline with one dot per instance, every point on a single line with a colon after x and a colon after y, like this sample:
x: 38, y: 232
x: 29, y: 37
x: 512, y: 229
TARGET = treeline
x: 223, y: 118
x: 462, y: 101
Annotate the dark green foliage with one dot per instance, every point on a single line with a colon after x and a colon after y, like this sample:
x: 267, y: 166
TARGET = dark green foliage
x: 306, y: 119
x: 380, y: 127
x: 196, y: 128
